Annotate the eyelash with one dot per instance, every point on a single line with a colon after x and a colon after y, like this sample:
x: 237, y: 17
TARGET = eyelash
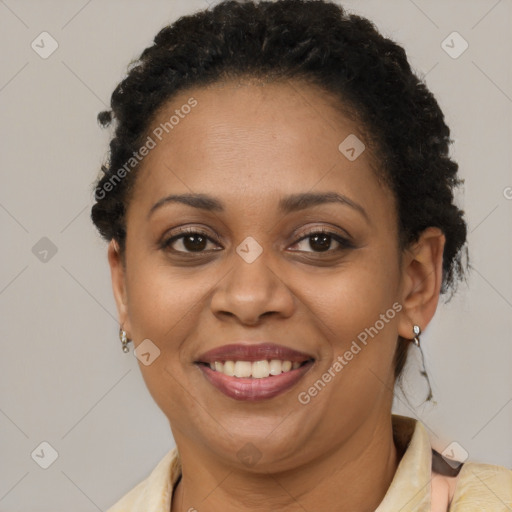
x: 343, y: 242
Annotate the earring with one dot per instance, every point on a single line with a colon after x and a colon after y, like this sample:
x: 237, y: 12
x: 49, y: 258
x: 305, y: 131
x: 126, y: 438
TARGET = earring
x: 124, y: 340
x: 417, y: 331
x: 416, y: 340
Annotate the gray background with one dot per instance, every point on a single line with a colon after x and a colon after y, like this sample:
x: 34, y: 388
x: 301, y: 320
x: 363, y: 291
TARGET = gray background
x: 64, y: 378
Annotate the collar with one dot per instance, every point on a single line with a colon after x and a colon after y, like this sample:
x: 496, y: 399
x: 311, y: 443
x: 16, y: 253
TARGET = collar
x: 410, y: 487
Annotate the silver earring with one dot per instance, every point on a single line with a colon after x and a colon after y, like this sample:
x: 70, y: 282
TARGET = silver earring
x: 124, y: 340
x: 416, y: 340
x: 417, y: 331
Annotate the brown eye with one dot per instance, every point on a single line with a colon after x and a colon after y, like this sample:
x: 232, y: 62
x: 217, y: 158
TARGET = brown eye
x: 194, y: 242
x: 189, y: 241
x: 321, y: 241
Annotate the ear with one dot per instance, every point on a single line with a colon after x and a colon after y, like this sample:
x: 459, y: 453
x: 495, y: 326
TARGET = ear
x: 118, y: 275
x: 422, y: 273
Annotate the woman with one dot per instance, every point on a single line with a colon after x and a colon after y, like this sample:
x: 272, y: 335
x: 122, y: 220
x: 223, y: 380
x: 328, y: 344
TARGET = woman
x: 279, y: 207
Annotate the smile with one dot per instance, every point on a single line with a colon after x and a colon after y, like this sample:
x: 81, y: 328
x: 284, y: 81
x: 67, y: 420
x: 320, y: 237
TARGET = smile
x: 254, y: 372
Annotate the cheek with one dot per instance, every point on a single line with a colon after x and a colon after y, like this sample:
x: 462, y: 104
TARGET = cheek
x: 353, y: 299
x: 163, y: 306
x: 162, y: 302
x: 357, y: 311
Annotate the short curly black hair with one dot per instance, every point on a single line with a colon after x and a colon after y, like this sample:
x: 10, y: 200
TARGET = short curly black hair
x: 315, y: 41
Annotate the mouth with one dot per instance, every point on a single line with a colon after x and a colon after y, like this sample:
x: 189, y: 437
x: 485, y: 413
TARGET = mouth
x: 254, y: 372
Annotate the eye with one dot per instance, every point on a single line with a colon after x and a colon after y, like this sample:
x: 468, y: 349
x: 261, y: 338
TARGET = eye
x: 194, y: 240
x: 189, y: 240
x: 321, y: 240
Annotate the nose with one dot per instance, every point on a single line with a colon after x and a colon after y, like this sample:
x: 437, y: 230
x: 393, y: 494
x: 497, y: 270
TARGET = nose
x: 250, y: 291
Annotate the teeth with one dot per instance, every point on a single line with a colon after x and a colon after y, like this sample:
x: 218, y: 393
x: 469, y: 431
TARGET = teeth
x: 229, y: 368
x: 243, y: 369
x: 260, y: 369
x: 276, y: 367
x: 286, y: 366
x: 256, y: 369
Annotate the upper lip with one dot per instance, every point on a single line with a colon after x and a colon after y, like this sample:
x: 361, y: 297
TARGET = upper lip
x: 252, y: 352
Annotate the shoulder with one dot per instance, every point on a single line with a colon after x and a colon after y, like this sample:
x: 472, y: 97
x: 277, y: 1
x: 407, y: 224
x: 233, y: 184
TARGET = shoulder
x: 154, y: 493
x: 481, y: 487
x: 131, y: 499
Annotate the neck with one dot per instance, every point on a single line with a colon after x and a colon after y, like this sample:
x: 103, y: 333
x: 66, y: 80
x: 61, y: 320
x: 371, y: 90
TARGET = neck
x: 353, y: 476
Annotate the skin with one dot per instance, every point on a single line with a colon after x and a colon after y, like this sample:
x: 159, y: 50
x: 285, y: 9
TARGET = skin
x: 249, y: 146
x: 442, y: 491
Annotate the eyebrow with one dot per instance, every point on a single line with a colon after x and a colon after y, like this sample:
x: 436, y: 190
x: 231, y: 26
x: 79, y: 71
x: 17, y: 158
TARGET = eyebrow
x: 292, y: 203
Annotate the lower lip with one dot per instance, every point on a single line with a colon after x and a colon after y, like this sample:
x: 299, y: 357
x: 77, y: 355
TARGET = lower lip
x: 250, y: 389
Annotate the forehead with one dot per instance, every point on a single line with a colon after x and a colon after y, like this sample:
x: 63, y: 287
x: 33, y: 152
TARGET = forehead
x: 248, y: 141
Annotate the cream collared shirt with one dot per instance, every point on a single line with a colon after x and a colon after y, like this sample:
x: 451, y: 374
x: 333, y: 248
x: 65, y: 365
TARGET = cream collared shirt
x: 479, y: 488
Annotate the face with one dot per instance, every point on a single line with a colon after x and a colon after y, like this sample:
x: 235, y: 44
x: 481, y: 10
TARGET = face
x: 290, y: 254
